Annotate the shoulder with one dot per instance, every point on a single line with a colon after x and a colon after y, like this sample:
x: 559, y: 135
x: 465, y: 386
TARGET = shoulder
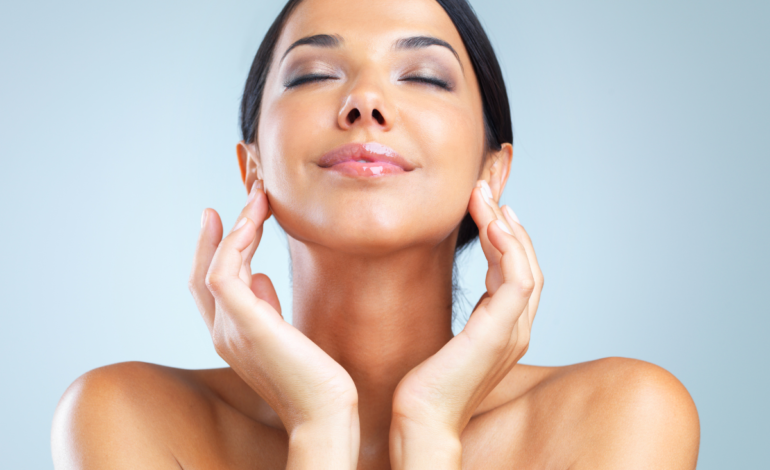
x: 608, y: 413
x: 625, y: 391
x: 140, y: 415
x: 623, y: 413
x: 130, y: 387
x: 639, y: 413
x: 618, y: 378
x: 120, y: 412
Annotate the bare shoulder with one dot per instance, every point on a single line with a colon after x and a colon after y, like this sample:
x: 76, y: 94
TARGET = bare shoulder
x: 139, y: 415
x: 608, y: 413
x: 632, y: 413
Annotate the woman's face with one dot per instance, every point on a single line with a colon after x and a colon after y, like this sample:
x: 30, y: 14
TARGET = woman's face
x: 367, y: 82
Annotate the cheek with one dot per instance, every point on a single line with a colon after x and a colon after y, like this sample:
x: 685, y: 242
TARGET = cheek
x: 292, y: 132
x: 289, y: 132
x: 451, y: 137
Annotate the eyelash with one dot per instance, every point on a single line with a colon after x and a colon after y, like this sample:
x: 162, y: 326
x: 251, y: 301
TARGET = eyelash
x: 308, y: 79
x: 428, y: 81
x: 317, y: 78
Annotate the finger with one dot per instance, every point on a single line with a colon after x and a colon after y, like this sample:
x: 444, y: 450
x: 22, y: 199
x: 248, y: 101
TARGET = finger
x: 228, y: 259
x: 484, y: 209
x: 537, y: 273
x: 223, y: 279
x: 488, y: 197
x: 518, y: 283
x: 208, y: 241
x: 494, y: 322
x: 257, y: 210
x: 495, y: 207
x: 482, y: 214
x: 263, y: 288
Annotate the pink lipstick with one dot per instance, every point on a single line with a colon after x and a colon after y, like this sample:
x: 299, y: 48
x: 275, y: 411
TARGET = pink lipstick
x: 371, y: 159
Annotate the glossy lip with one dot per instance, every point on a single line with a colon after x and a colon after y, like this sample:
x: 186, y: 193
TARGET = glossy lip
x: 354, y: 153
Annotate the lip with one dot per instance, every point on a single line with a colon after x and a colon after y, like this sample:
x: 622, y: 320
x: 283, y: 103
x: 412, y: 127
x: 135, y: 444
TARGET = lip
x: 370, y: 159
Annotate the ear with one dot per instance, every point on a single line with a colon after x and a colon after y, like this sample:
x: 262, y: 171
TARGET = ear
x: 248, y: 161
x: 496, y: 169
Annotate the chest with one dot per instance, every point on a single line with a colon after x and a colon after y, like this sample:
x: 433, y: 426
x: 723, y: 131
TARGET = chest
x: 511, y: 436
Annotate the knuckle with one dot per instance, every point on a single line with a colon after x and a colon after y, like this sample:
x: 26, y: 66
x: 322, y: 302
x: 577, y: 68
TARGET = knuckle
x: 526, y: 286
x: 214, y: 281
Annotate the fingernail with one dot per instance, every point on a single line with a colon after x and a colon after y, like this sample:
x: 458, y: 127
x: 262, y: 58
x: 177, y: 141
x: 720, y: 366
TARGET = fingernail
x: 240, y: 224
x: 511, y: 215
x: 486, y: 191
x: 503, y: 227
x: 204, y: 217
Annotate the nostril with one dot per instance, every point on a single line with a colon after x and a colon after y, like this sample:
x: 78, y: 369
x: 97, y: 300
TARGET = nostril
x: 353, y: 115
x: 378, y: 117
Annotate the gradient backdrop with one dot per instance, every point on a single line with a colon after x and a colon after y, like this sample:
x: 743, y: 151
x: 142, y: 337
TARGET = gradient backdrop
x: 641, y: 171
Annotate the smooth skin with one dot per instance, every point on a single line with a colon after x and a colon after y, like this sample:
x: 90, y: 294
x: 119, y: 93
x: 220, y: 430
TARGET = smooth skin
x: 370, y: 375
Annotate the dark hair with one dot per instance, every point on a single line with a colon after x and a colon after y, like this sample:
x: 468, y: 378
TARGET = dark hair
x: 497, y: 115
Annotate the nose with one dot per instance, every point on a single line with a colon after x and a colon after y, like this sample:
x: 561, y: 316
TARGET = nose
x: 365, y: 106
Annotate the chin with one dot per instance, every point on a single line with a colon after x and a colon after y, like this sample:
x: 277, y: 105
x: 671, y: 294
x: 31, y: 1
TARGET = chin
x: 366, y: 235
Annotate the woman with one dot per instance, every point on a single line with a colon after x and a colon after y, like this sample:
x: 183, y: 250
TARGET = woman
x: 378, y: 134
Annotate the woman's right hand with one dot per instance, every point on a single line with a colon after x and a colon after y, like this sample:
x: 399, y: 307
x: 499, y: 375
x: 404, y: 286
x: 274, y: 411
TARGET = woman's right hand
x: 312, y: 394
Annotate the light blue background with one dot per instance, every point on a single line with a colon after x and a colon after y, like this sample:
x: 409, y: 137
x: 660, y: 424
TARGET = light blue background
x: 640, y: 170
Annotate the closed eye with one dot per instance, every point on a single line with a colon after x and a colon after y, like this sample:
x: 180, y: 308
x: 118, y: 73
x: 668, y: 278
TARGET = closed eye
x: 429, y: 81
x: 308, y: 79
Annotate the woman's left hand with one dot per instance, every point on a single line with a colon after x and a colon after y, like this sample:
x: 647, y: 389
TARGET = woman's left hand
x: 435, y: 401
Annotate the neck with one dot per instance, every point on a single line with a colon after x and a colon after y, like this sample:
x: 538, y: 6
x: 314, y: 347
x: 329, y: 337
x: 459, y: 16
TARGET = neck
x: 378, y: 317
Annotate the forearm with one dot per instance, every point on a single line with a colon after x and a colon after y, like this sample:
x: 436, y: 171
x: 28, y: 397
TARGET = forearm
x: 413, y: 447
x: 330, y: 444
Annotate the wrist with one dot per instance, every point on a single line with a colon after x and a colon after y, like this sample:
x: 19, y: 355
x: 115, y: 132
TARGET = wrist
x: 416, y: 446
x: 328, y: 443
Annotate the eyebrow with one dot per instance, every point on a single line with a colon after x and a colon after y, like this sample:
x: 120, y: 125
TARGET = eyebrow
x: 420, y: 42
x: 414, y: 42
x: 318, y: 40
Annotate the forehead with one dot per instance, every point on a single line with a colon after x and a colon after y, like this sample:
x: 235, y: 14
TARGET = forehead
x: 372, y: 24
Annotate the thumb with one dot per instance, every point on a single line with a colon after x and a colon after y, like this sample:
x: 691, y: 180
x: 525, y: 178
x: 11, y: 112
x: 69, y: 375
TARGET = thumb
x: 257, y: 210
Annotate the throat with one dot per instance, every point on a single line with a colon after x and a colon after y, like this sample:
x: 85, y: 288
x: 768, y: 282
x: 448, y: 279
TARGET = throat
x: 377, y: 318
